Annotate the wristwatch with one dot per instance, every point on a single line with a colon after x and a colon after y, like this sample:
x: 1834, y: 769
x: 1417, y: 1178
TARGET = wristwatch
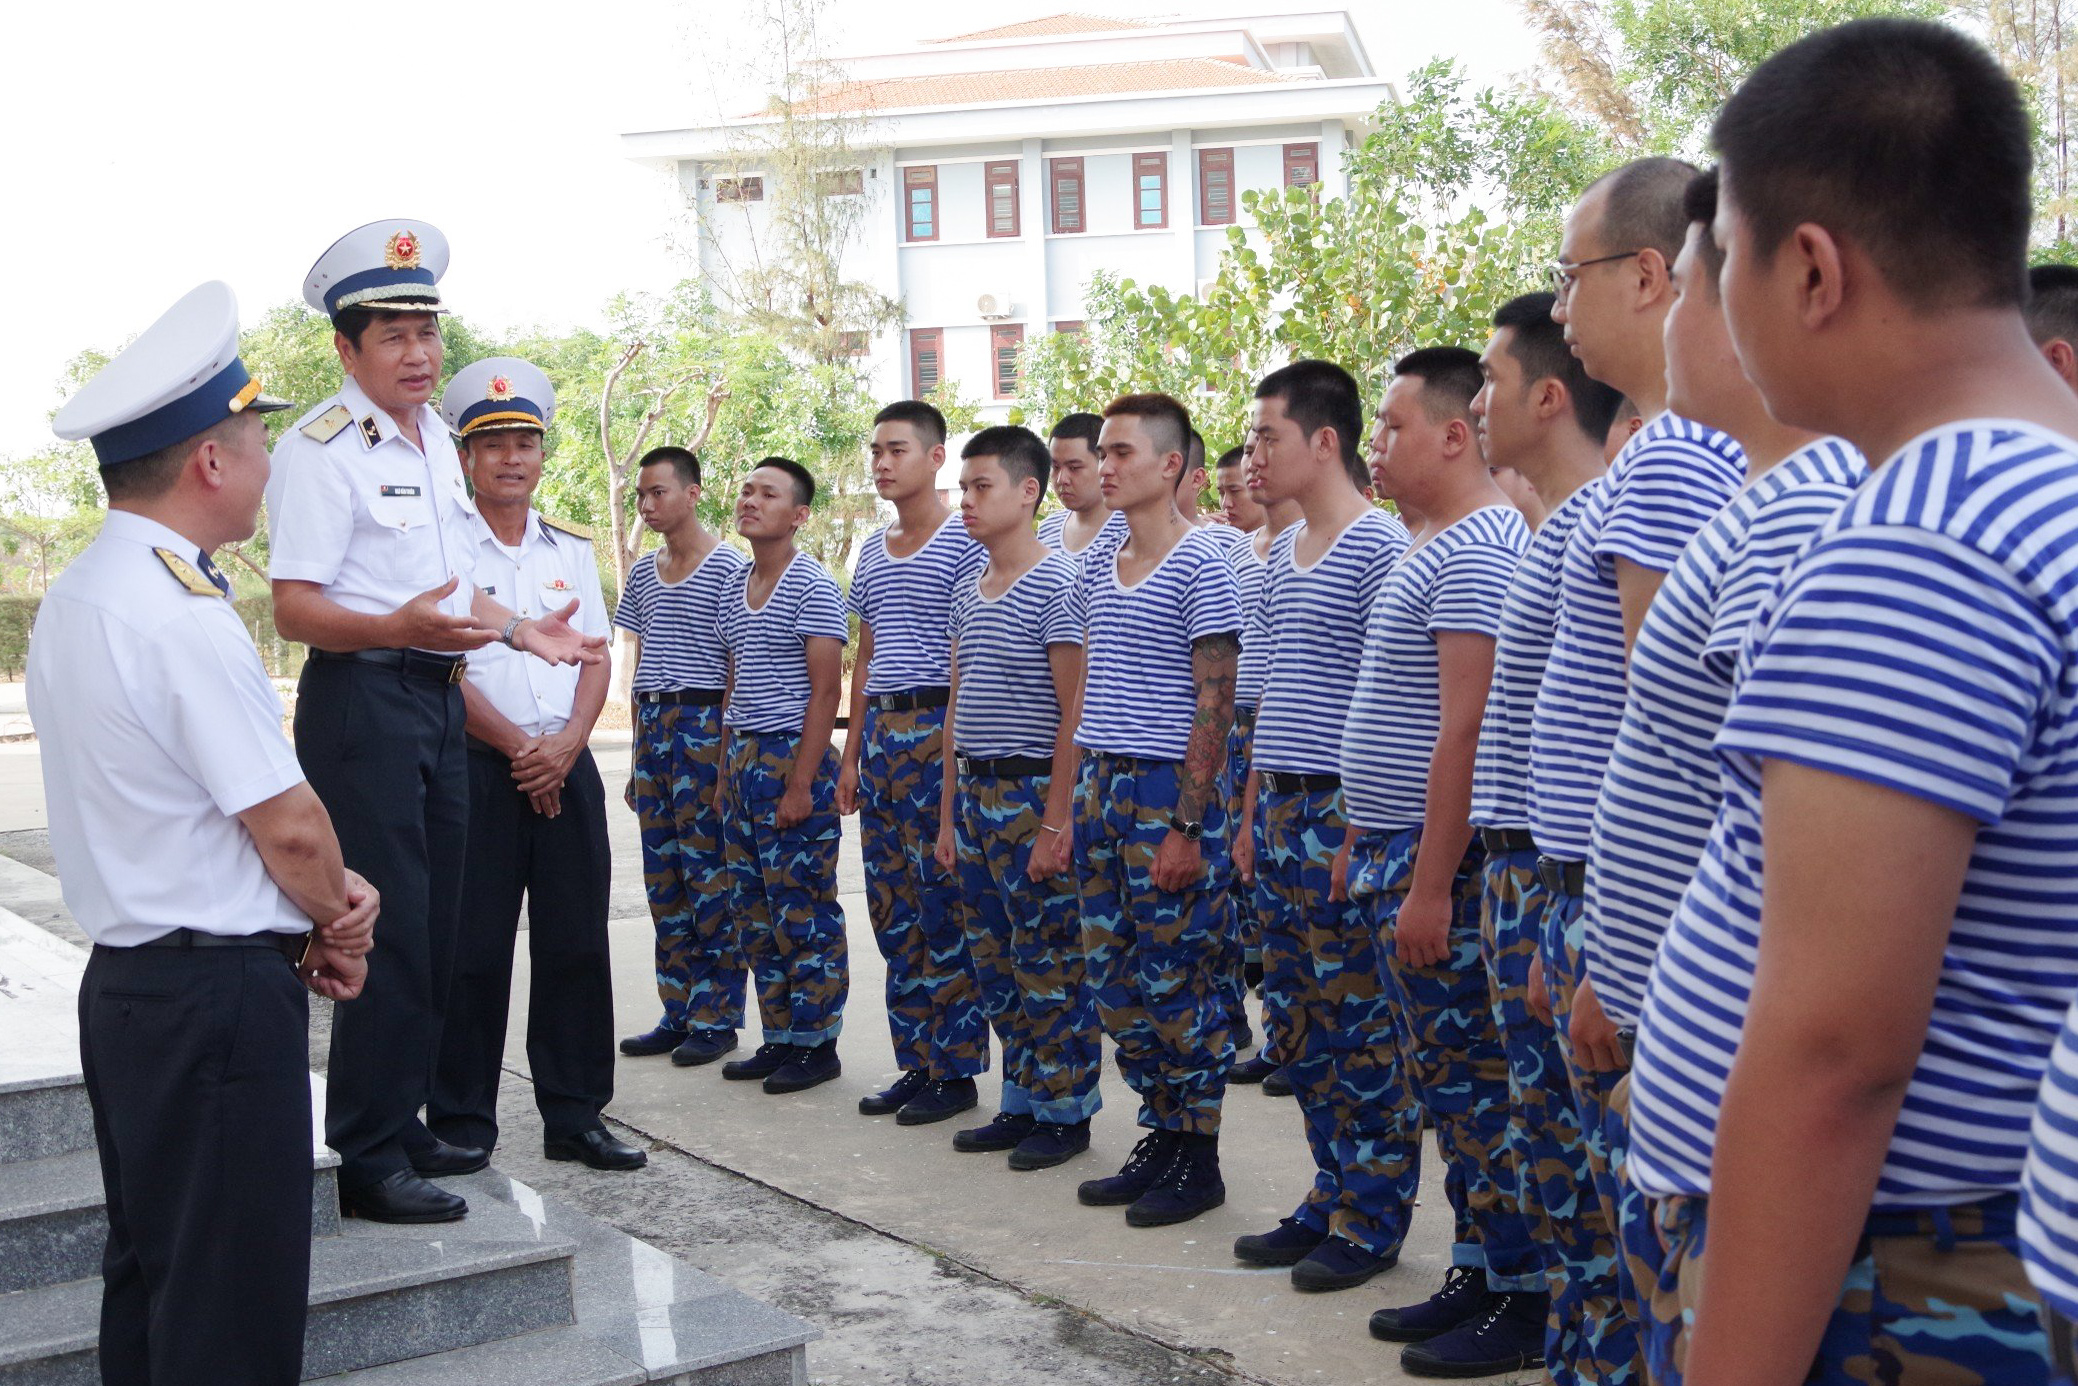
x: 505, y: 635
x: 1193, y: 831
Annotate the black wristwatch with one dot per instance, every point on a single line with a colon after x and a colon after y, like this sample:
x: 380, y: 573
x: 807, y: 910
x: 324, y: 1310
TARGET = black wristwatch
x: 1193, y: 831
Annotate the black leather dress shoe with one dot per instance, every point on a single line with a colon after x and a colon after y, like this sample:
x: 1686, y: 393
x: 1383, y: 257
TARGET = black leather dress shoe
x: 403, y: 1197
x: 597, y: 1148
x: 440, y: 1159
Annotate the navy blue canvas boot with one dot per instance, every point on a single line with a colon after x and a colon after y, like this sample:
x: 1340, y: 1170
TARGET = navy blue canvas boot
x: 1190, y: 1186
x: 1150, y: 1159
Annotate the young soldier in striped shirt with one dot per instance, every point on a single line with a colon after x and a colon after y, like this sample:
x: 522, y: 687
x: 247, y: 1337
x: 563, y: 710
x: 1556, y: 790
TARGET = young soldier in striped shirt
x: 1540, y: 418
x: 1856, y: 999
x: 901, y: 591
x: 669, y: 605
x: 1009, y: 805
x: 1409, y: 855
x: 782, y: 623
x: 1244, y: 516
x: 1663, y: 789
x: 1319, y: 956
x: 1151, y: 846
x: 1620, y: 241
x: 1083, y: 517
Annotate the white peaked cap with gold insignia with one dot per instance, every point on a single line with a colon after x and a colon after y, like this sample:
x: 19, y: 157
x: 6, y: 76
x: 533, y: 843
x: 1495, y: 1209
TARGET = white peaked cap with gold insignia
x: 393, y: 266
x: 180, y: 376
x: 498, y: 392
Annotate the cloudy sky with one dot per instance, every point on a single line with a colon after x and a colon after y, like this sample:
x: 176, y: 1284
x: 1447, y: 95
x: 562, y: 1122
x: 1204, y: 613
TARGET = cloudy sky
x: 153, y: 146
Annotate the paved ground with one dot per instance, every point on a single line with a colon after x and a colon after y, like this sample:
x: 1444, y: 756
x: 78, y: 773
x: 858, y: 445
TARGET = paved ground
x: 977, y: 1273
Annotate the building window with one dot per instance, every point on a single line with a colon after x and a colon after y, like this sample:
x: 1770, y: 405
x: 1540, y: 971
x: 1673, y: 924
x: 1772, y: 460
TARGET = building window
x: 1073, y: 325
x: 840, y: 182
x: 926, y: 359
x: 1301, y: 165
x: 854, y: 343
x: 1215, y: 187
x: 1003, y: 341
x: 920, y: 203
x: 1001, y: 181
x: 1066, y: 177
x: 1150, y: 191
x: 739, y: 190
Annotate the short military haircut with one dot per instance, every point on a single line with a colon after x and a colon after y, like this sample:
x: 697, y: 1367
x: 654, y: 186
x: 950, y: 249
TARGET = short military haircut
x: 804, y: 480
x: 353, y: 323
x: 1320, y: 394
x: 1449, y: 379
x: 1230, y: 458
x: 1016, y: 449
x: 1084, y: 428
x: 924, y: 418
x: 154, y: 474
x: 1641, y: 206
x: 1194, y: 455
x: 1902, y: 136
x: 1168, y: 422
x: 1539, y: 346
x: 2052, y: 304
x: 1699, y: 205
x: 682, y: 461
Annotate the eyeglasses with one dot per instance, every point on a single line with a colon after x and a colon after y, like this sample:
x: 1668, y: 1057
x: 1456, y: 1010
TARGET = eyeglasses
x: 1562, y: 276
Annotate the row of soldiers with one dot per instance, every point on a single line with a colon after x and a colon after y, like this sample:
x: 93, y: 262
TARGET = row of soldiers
x: 1685, y: 834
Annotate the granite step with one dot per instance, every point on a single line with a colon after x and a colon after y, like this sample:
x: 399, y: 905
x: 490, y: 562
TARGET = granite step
x: 44, y: 1116
x: 373, y: 1300
x: 54, y: 1217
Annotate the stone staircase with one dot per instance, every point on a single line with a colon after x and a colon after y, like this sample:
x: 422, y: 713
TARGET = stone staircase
x: 524, y: 1290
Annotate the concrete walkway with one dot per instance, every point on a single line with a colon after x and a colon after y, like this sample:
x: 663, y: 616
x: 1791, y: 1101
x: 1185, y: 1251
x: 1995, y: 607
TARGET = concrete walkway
x: 1177, y: 1286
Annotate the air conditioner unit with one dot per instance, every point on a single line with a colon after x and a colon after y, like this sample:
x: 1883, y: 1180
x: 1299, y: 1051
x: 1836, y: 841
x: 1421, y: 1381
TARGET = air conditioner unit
x: 993, y: 307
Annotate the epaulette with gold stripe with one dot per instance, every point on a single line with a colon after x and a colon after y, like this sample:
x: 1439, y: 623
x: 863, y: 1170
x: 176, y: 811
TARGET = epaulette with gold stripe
x: 189, y: 576
x: 325, y: 427
x: 571, y: 528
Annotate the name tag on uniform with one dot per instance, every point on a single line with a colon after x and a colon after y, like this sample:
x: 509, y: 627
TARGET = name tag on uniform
x: 400, y: 490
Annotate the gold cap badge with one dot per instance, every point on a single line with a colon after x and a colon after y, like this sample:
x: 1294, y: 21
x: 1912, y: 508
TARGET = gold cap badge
x: 402, y: 251
x: 500, y: 388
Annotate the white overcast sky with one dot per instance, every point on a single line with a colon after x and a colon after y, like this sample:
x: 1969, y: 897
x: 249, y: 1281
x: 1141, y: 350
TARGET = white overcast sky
x: 153, y: 144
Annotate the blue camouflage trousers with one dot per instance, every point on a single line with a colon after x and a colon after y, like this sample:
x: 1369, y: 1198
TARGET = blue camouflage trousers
x: 1154, y: 954
x: 1554, y: 1189
x: 1244, y: 938
x: 934, y: 1012
x: 1026, y: 940
x: 783, y: 890
x: 700, y: 966
x: 1342, y: 1053
x: 1455, y: 1062
x: 1609, y: 1301
x: 1934, y: 1295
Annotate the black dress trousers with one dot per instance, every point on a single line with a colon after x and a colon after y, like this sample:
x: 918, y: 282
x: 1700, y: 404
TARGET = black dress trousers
x: 385, y: 752
x: 562, y: 867
x: 197, y: 1066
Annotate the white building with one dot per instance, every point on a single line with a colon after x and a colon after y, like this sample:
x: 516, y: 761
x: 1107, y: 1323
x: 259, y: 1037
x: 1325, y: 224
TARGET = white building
x: 1004, y: 166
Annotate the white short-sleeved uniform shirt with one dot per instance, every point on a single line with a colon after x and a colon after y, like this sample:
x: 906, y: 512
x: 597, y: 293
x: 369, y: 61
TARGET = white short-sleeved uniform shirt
x: 1925, y: 641
x: 365, y: 515
x: 1663, y: 786
x: 1052, y: 533
x: 906, y: 603
x: 768, y: 645
x: 1139, y: 696
x: 1310, y: 622
x: 158, y: 726
x: 1252, y: 667
x: 1005, y: 703
x: 1455, y: 581
x: 1529, y: 624
x: 547, y: 570
x: 1663, y: 487
x: 676, y: 621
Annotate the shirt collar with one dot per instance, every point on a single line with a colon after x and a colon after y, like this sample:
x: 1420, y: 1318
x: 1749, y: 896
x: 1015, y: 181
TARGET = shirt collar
x: 366, y: 412
x: 133, y: 528
x: 536, y: 529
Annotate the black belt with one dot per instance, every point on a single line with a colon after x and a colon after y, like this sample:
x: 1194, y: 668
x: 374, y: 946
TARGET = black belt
x: 1007, y: 767
x: 1500, y: 840
x: 1562, y: 877
x: 416, y: 664
x: 1283, y: 782
x: 290, y: 946
x: 910, y: 701
x: 682, y: 697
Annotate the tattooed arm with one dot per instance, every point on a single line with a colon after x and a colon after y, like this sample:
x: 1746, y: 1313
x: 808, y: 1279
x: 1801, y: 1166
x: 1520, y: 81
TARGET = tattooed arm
x: 1179, y: 863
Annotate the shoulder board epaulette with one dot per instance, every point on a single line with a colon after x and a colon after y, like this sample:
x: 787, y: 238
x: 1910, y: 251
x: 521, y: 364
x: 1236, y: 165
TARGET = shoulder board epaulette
x: 325, y: 427
x: 191, y: 579
x: 575, y: 531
